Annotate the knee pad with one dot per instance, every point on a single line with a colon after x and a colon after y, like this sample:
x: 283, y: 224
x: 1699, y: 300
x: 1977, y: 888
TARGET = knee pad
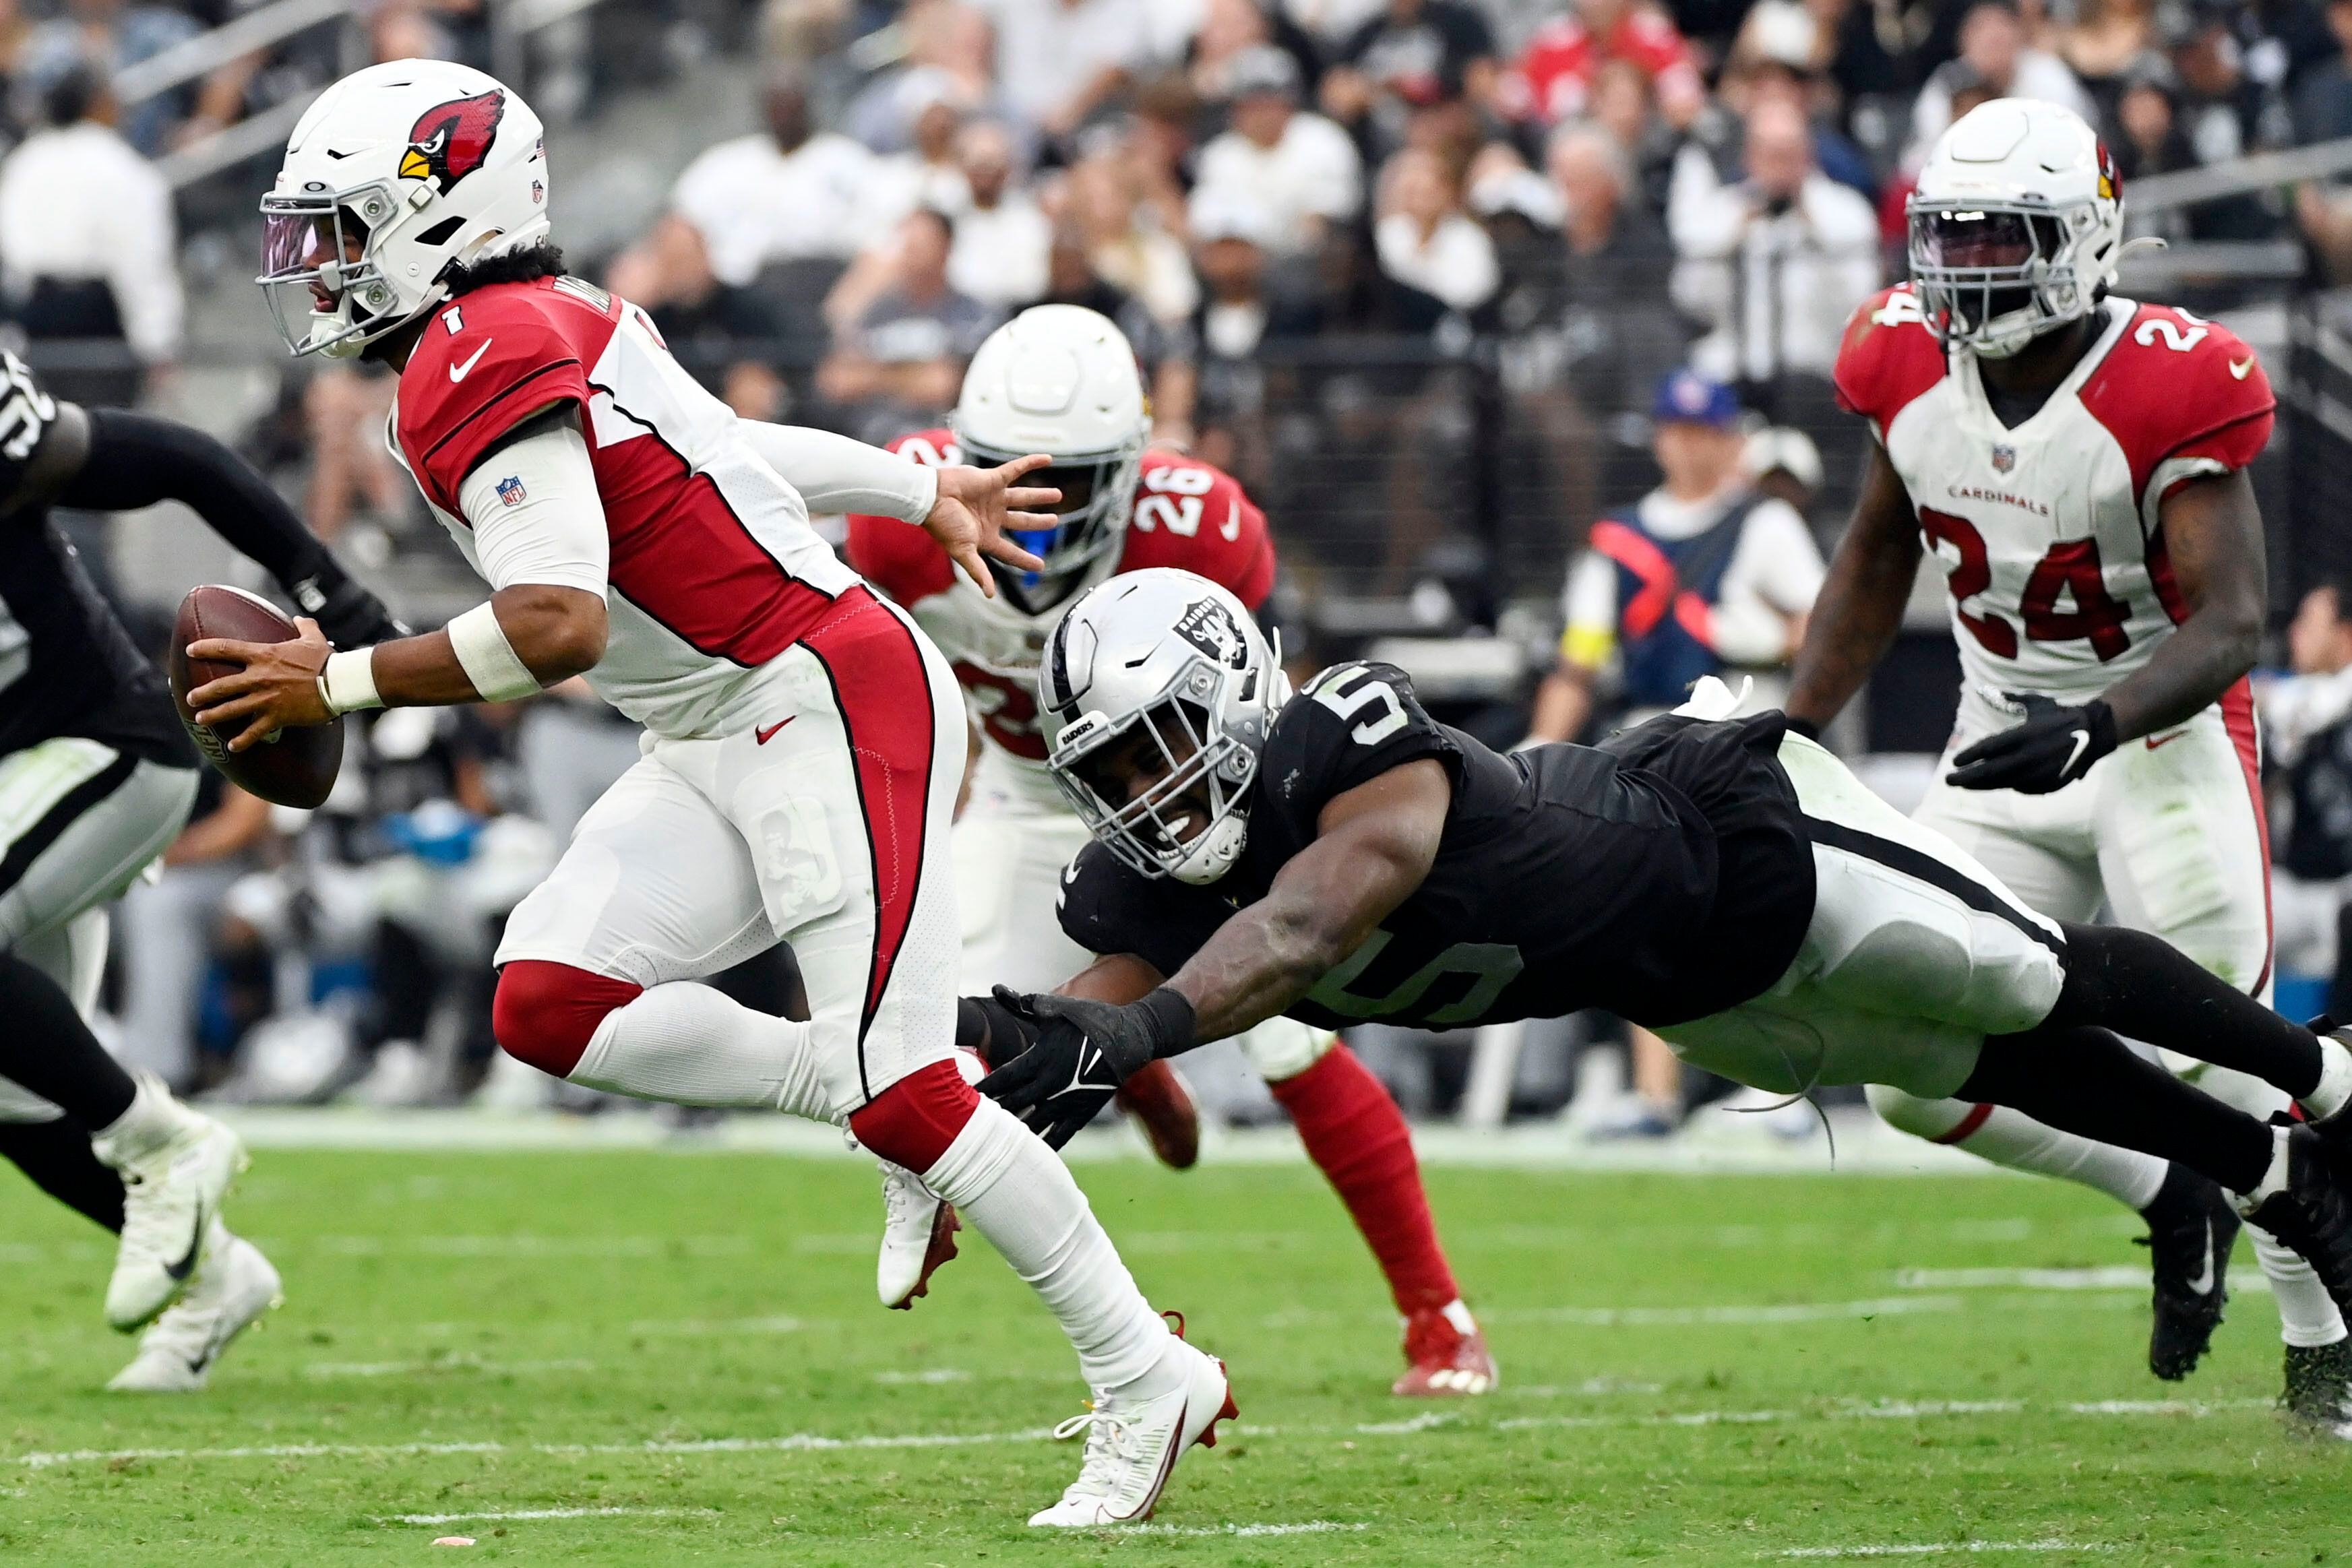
x: 544, y: 1014
x: 1934, y: 1120
x: 912, y: 1123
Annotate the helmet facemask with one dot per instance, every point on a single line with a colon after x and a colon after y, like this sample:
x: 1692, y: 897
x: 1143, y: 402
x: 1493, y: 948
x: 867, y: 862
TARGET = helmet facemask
x: 1994, y: 275
x: 321, y: 272
x: 1191, y: 820
x: 1097, y: 498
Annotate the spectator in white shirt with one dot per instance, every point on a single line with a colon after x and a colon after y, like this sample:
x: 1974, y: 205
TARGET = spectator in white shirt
x: 1059, y: 60
x: 1002, y: 239
x: 1776, y: 262
x: 785, y: 193
x: 87, y: 238
x: 1994, y: 50
x: 1426, y: 240
x: 925, y: 174
x: 1300, y: 170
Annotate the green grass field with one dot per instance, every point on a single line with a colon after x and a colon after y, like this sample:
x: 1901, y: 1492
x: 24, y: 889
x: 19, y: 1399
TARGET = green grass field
x: 690, y: 1342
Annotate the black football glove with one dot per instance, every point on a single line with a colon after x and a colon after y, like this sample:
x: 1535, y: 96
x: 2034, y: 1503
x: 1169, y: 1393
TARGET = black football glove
x: 992, y: 1031
x: 2054, y: 747
x: 348, y: 615
x: 1083, y: 1052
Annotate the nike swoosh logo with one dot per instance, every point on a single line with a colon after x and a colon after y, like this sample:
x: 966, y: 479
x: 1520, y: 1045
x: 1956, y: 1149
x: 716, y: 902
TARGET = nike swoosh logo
x: 459, y: 372
x: 1088, y: 1056
x: 768, y: 733
x: 2203, y: 1285
x: 187, y: 1264
x: 2155, y: 740
x: 2082, y: 739
x: 2238, y: 368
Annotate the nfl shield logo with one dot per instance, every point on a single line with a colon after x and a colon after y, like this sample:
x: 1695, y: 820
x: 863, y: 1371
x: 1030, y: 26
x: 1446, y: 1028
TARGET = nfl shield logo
x: 510, y: 491
x: 2004, y: 458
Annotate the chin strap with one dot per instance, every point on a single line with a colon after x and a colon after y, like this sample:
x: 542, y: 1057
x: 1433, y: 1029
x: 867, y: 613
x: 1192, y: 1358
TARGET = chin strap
x: 2144, y: 242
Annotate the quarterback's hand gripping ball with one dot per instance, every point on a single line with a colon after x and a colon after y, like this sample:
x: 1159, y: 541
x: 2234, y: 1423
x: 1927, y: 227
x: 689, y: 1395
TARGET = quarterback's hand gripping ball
x: 245, y: 680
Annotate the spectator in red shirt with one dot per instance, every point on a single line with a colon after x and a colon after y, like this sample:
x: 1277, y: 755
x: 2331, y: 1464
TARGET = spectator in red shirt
x: 1554, y: 77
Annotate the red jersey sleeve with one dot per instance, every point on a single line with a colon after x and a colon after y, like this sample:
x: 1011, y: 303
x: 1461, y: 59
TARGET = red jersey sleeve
x: 1194, y: 517
x: 485, y: 362
x: 1887, y: 358
x: 895, y: 557
x: 2183, y: 397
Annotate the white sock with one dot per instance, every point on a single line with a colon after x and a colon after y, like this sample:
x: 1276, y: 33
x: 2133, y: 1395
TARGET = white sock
x: 1016, y: 1192
x: 2335, y: 1091
x: 2016, y: 1140
x: 2273, y: 1180
x: 2307, y: 1314
x: 153, y: 1120
x: 688, y: 1044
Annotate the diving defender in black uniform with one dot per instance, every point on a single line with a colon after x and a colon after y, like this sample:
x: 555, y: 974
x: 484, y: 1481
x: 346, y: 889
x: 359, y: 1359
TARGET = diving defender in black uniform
x: 1338, y: 856
x: 96, y: 780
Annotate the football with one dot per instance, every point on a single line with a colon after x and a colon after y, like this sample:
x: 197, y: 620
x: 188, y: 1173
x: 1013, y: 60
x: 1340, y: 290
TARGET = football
x: 291, y: 767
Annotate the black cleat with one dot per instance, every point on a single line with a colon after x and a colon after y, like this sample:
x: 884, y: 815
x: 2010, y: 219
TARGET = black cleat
x: 2318, y: 1395
x: 2312, y: 1216
x: 2190, y: 1230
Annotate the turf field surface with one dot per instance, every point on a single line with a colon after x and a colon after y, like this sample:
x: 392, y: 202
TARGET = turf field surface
x: 638, y: 1358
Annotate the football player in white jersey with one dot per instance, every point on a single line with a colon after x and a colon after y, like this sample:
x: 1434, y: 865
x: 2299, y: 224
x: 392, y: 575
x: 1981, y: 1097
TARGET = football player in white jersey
x: 1062, y: 380
x: 804, y: 740
x: 2076, y: 462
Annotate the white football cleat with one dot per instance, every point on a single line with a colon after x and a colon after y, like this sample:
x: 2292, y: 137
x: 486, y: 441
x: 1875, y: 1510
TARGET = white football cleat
x: 176, y: 1166
x: 1133, y: 1445
x: 918, y: 1236
x: 234, y: 1285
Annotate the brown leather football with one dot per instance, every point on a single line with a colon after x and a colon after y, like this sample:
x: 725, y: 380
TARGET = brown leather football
x: 293, y: 767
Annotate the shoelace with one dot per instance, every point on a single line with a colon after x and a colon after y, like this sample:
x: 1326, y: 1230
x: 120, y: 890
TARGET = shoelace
x: 1110, y: 1443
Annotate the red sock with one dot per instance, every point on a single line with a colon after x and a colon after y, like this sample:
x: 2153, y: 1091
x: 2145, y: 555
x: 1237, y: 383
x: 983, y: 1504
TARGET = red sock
x: 1355, y: 1132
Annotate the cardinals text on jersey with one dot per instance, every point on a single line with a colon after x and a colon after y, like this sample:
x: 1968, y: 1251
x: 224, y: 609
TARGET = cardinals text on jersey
x: 2050, y: 532
x: 1187, y: 514
x: 714, y: 570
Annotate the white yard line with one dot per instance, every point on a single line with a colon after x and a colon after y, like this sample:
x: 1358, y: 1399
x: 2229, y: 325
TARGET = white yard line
x: 525, y: 1513
x: 466, y: 1363
x: 1308, y: 1527
x: 1783, y: 1312
x: 810, y: 1442
x: 1949, y: 1548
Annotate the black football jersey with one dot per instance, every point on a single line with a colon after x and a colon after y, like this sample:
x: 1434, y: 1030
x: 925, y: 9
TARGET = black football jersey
x: 67, y: 665
x: 1663, y: 876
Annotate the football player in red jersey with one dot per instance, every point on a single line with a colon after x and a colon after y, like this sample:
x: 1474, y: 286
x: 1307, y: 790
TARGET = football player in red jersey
x: 1062, y: 380
x: 804, y: 742
x: 2076, y: 463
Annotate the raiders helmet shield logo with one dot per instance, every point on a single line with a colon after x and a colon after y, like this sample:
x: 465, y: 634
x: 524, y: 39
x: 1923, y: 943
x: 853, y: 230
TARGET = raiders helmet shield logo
x: 2004, y: 458
x: 1208, y: 626
x: 452, y: 139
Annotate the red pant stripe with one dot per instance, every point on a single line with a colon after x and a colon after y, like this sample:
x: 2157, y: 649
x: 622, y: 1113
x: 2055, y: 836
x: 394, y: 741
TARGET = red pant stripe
x: 2238, y: 716
x: 884, y: 693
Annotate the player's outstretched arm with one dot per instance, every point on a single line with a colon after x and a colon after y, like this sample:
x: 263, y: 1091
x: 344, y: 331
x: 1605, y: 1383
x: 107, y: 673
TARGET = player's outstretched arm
x: 1861, y: 603
x: 2213, y: 532
x: 1374, y: 844
x: 968, y: 510
x: 133, y: 460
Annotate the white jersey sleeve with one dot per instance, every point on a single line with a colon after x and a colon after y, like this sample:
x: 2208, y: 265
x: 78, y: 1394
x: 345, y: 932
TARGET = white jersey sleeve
x: 834, y: 474
x: 535, y: 514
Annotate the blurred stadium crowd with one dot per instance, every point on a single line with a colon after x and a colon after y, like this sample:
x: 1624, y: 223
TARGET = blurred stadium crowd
x: 1415, y: 271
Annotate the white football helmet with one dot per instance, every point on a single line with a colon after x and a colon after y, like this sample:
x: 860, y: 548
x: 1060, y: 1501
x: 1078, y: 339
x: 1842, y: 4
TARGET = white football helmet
x: 2016, y: 225
x: 1061, y: 380
x: 1161, y: 674
x: 394, y: 173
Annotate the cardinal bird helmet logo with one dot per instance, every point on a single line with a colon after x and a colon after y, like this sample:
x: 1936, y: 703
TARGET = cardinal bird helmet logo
x: 452, y: 139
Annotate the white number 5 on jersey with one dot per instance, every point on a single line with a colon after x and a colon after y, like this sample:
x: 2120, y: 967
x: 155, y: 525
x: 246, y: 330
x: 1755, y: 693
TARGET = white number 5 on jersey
x: 1371, y: 692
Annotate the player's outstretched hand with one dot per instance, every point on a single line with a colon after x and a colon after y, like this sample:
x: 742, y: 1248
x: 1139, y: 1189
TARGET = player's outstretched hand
x: 351, y: 616
x: 2055, y: 746
x: 1084, y: 1050
x: 977, y: 506
x: 277, y: 689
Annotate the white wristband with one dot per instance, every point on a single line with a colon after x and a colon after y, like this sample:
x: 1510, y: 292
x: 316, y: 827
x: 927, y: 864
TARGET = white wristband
x: 489, y: 660
x: 348, y: 683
